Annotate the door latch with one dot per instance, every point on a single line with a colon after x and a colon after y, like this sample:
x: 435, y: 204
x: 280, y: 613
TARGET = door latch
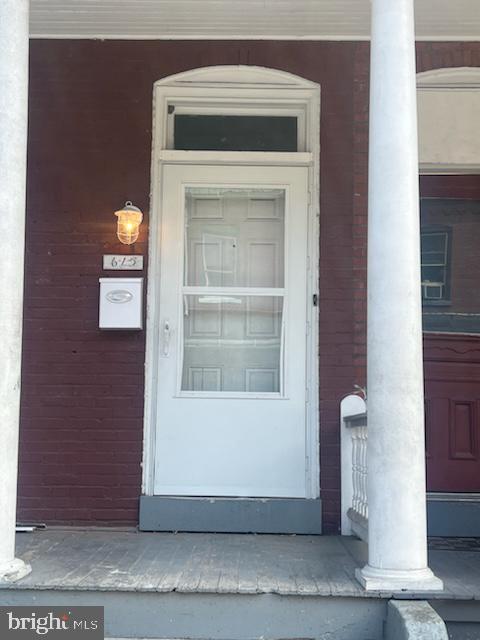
x: 166, y: 339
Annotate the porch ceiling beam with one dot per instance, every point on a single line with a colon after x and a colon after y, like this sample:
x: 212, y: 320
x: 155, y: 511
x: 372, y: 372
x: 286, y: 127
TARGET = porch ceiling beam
x: 397, y: 531
x: 13, y: 152
x: 248, y: 19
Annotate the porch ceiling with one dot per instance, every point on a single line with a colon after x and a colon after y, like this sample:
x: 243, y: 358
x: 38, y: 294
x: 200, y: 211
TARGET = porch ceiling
x: 245, y: 19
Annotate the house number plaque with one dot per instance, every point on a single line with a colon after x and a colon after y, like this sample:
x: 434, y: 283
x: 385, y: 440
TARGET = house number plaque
x: 123, y: 263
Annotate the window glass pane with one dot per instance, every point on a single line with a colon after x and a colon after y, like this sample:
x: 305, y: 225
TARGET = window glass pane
x: 451, y: 265
x: 234, y: 237
x: 433, y: 242
x: 232, y: 343
x: 433, y: 275
x: 434, y: 259
x: 235, y: 133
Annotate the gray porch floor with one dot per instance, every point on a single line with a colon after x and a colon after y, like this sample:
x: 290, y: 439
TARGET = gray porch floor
x: 114, y: 560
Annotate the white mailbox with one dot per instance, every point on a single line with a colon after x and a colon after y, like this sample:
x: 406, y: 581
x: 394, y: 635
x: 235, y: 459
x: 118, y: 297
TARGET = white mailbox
x: 121, y: 303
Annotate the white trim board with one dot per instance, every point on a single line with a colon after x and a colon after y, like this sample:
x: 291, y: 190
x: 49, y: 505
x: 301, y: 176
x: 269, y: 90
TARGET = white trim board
x: 227, y: 85
x: 445, y: 169
x: 216, y: 36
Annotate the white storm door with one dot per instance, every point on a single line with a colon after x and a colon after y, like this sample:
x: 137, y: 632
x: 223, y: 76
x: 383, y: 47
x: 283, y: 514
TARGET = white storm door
x: 231, y: 415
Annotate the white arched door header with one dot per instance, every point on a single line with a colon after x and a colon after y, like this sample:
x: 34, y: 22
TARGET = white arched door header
x: 450, y: 78
x: 238, y: 89
x: 448, y: 108
x: 237, y: 75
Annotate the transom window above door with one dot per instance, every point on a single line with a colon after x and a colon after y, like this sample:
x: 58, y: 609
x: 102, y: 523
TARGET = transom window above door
x: 235, y: 133
x: 221, y: 127
x: 236, y: 108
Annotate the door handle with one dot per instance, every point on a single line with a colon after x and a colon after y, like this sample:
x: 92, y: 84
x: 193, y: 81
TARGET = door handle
x: 166, y: 335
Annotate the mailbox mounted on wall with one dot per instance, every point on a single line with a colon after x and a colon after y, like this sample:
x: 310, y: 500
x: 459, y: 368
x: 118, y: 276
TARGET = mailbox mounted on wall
x: 121, y: 303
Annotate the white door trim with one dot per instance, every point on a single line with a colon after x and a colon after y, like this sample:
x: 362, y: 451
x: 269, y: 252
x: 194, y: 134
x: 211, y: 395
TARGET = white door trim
x: 255, y: 88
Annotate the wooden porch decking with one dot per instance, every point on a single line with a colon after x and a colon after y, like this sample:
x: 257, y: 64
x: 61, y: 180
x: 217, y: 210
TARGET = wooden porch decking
x: 124, y: 560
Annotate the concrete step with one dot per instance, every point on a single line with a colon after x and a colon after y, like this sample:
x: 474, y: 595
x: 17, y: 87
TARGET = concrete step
x: 214, y: 616
x: 413, y: 620
x: 462, y: 618
x: 198, y: 616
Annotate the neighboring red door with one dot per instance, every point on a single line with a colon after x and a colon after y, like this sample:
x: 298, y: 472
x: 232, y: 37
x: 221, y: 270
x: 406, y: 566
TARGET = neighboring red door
x: 452, y: 412
x: 451, y: 282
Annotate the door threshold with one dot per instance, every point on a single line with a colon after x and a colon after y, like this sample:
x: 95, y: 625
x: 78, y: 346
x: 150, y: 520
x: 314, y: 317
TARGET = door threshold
x: 454, y: 497
x: 453, y: 514
x: 231, y: 515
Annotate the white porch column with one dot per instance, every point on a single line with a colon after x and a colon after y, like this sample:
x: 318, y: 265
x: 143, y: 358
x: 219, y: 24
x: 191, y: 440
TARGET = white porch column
x: 13, y: 147
x: 397, y: 550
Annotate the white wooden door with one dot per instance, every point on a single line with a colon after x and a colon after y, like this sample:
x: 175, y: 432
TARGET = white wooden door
x: 231, y: 415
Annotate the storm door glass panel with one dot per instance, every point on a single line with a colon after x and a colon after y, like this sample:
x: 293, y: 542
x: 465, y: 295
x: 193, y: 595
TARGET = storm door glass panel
x: 232, y: 343
x: 235, y: 237
x: 233, y: 295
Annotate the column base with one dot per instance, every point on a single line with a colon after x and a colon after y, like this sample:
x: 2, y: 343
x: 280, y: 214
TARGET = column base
x: 373, y: 579
x: 14, y: 570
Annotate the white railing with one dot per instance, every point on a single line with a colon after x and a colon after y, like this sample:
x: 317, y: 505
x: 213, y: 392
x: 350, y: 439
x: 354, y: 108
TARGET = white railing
x: 354, y: 436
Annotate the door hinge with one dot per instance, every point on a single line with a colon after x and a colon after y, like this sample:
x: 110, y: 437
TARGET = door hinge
x: 315, y: 299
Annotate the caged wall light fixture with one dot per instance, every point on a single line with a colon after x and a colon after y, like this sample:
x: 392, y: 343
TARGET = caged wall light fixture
x: 128, y: 223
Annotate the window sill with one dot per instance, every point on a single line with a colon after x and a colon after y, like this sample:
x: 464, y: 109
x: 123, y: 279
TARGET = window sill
x: 436, y: 303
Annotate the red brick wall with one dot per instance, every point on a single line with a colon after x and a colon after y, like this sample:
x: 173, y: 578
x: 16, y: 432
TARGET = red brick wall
x: 89, y: 150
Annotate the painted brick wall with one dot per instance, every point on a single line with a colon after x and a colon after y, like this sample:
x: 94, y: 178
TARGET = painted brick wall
x: 89, y: 150
x: 82, y: 390
x: 360, y: 209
